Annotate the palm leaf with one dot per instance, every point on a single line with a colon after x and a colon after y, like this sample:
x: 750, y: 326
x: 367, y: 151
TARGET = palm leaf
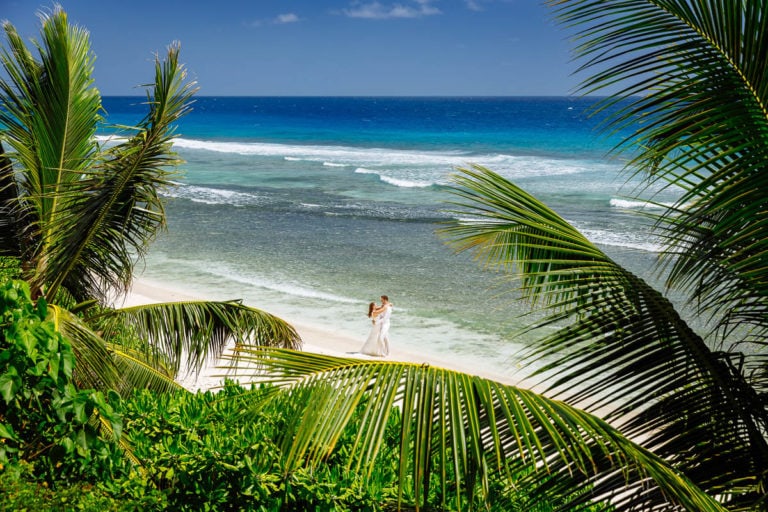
x: 108, y: 366
x: 50, y: 114
x: 95, y: 365
x: 623, y: 348
x: 198, y: 331
x: 696, y: 75
x: 478, y: 428
x: 117, y: 210
x: 84, y: 214
x: 139, y: 369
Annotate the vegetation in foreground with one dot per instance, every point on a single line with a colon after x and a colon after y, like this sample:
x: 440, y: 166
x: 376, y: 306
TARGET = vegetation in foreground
x: 63, y: 448
x: 696, y: 400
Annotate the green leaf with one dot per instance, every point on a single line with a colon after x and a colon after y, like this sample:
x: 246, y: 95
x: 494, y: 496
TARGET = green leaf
x: 27, y: 340
x: 10, y: 382
x: 82, y: 407
x: 6, y: 431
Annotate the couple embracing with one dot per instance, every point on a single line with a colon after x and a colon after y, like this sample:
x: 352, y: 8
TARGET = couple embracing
x: 377, y: 343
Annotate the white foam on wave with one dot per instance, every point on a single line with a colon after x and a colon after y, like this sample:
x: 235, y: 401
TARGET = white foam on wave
x: 340, y: 155
x: 109, y: 140
x: 629, y: 204
x: 623, y: 239
x: 435, y: 163
x: 398, y: 182
x: 630, y: 240
x: 296, y: 290
x: 406, y: 183
x: 207, y: 195
x: 479, y: 220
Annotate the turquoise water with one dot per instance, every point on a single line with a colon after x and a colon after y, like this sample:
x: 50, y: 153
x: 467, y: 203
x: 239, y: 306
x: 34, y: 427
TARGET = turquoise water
x: 312, y: 207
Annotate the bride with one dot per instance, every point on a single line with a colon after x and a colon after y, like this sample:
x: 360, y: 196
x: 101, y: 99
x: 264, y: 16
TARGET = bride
x: 377, y: 343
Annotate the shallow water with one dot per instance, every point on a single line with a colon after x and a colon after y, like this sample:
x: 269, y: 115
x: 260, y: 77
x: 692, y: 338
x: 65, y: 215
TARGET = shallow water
x: 311, y: 208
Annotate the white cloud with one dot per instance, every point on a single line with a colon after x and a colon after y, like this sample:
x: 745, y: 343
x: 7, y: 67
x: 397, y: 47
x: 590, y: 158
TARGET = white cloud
x: 287, y: 18
x: 377, y: 11
x: 280, y: 19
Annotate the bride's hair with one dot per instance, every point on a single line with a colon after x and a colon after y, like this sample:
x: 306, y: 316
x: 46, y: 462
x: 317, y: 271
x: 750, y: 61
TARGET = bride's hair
x: 370, y: 309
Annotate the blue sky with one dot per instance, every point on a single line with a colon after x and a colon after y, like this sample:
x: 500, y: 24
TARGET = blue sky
x: 325, y: 47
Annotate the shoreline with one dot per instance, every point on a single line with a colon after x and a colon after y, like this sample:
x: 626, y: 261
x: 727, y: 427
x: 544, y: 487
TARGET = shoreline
x: 315, y: 339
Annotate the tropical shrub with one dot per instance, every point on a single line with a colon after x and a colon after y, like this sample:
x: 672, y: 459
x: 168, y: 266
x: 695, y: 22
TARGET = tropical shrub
x: 200, y: 450
x: 21, y: 490
x: 9, y: 269
x: 46, y: 421
x: 203, y: 452
x: 195, y: 451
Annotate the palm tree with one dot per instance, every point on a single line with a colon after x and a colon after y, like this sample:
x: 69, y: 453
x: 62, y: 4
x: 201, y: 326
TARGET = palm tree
x: 693, y: 87
x: 79, y: 214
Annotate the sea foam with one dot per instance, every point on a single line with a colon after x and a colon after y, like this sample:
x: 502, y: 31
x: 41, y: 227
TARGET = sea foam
x: 207, y: 195
x: 386, y: 159
x: 396, y: 181
x: 629, y: 204
x: 623, y: 239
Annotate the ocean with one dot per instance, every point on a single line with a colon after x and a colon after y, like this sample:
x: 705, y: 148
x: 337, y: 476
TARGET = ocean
x: 311, y: 207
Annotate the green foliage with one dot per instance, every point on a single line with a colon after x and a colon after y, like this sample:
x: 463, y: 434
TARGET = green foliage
x: 10, y: 268
x: 77, y: 215
x: 461, y: 441
x: 45, y: 420
x: 206, y: 455
x: 21, y: 491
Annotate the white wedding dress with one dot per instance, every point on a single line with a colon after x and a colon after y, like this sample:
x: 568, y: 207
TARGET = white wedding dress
x: 377, y: 343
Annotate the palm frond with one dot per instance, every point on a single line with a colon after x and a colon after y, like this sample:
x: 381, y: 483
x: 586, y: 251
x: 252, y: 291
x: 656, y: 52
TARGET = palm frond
x: 102, y: 365
x: 95, y: 366
x: 117, y: 210
x: 513, y: 231
x: 18, y: 92
x: 106, y: 429
x: 695, y: 94
x: 138, y: 371
x: 466, y: 426
x: 88, y: 212
x: 49, y: 116
x: 188, y: 334
x: 52, y: 114
x: 620, y: 345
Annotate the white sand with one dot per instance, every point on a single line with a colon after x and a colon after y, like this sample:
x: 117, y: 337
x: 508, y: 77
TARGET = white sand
x: 315, y: 339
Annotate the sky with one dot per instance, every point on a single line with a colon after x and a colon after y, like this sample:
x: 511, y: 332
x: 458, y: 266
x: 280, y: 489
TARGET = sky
x: 324, y: 47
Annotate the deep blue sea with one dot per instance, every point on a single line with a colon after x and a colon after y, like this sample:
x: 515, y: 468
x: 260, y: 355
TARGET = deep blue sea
x: 312, y: 207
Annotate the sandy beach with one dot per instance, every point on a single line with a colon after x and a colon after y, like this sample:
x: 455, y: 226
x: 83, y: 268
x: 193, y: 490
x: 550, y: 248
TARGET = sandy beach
x: 314, y: 339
